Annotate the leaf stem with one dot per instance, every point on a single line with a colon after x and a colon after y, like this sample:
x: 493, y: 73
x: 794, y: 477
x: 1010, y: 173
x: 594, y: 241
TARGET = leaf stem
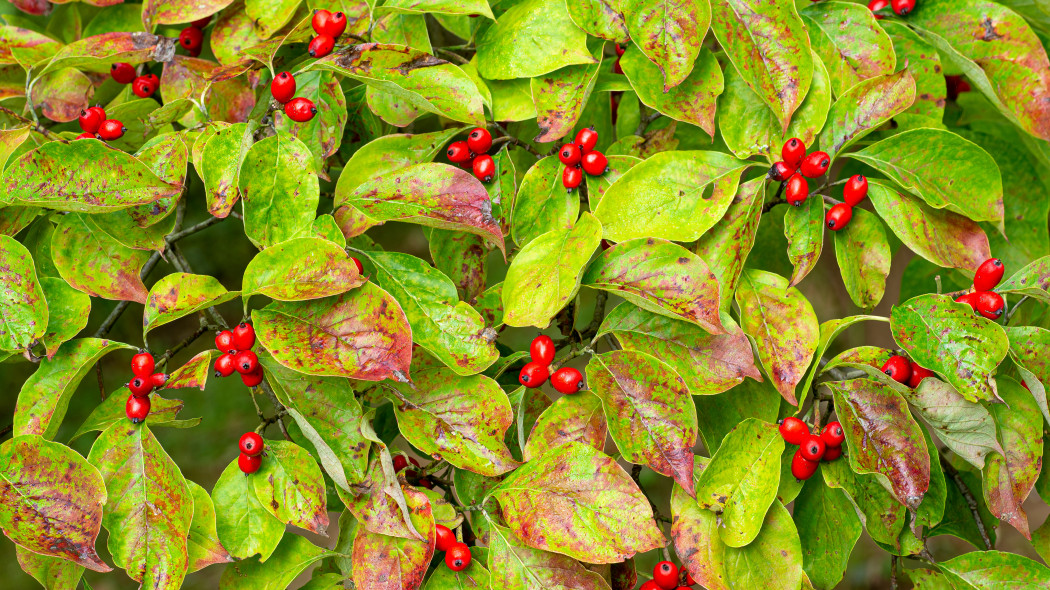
x: 34, y: 124
x: 1013, y: 310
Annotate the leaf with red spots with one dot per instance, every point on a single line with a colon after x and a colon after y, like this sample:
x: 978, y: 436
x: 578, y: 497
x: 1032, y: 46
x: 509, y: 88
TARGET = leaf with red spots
x: 560, y: 97
x: 726, y: 246
x: 651, y: 415
x: 270, y: 15
x: 599, y: 18
x: 514, y: 565
x: 532, y: 38
x: 53, y: 573
x: 948, y: 338
x: 460, y: 7
x: 44, y: 397
x: 289, y: 485
x: 245, y: 528
x: 18, y: 45
x: 62, y: 94
x: 51, y: 500
x: 577, y: 501
x: 23, y: 305
x: 108, y: 48
x: 461, y: 257
x: 190, y: 78
x: 572, y: 418
x: 924, y: 64
x: 944, y: 238
x: 850, y: 42
x: 669, y: 35
x: 167, y: 155
x: 804, y: 230
x: 542, y: 203
x: 864, y: 108
x: 783, y: 325
x: 202, y: 546
x: 379, y: 502
x: 192, y: 374
x: 768, y: 45
x: 987, y: 570
x: 694, y: 532
x: 883, y: 438
x: 279, y: 190
x: 1009, y: 478
x: 692, y: 100
x: 180, y: 294
x: 324, y: 132
x: 233, y: 32
x: 300, y: 269
x: 361, y: 334
x: 863, y: 254
x: 112, y: 409
x: 173, y: 12
x: 1033, y: 280
x: 379, y: 157
x: 150, y: 506
x: 380, y: 562
x: 662, y: 277
x: 288, y: 561
x: 963, y: 426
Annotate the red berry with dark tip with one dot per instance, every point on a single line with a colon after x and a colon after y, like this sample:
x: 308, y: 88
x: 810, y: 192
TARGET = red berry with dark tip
x: 855, y: 191
x: 988, y: 275
x: 143, y: 87
x: 570, y: 154
x: 832, y: 435
x: 111, y: 129
x: 793, y: 430
x: 224, y: 341
x: 665, y: 574
x: 246, y: 362
x: 90, y: 120
x: 812, y: 447
x: 898, y: 368
x: 801, y: 467
x: 158, y: 379
x: 796, y: 190
x: 458, y: 152
x: 918, y: 374
x: 319, y: 21
x: 140, y: 386
x: 457, y: 558
x: 903, y: 7
x: 283, y: 87
x: 838, y: 216
x: 594, y: 163
x: 586, y: 139
x: 320, y: 46
x: 225, y: 365
x: 243, y: 336
x: 251, y: 444
x: 335, y: 26
x: 567, y: 380
x: 831, y: 453
x: 300, y: 109
x: 248, y: 463
x: 445, y: 538
x: 793, y: 152
x: 137, y: 408
x: 253, y: 379
x: 969, y: 299
x: 878, y: 5
x: 484, y: 168
x: 122, y: 73
x: 780, y: 172
x: 191, y: 38
x: 571, y: 177
x: 479, y: 141
x: 815, y: 164
x: 533, y: 374
x: 142, y: 364
x: 990, y: 304
x: 542, y: 349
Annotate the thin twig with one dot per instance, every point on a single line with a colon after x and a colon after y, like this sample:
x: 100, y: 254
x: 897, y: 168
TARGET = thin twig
x: 636, y: 475
x: 111, y: 319
x: 893, y: 572
x: 453, y: 56
x: 101, y: 386
x: 278, y: 406
x: 192, y: 229
x: 516, y: 141
x: 776, y: 200
x: 36, y: 126
x: 645, y: 120
x: 970, y: 501
x: 201, y: 330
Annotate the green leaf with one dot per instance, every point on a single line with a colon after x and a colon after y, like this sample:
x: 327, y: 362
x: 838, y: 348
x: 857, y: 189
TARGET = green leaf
x: 829, y: 330
x: 864, y: 255
x: 279, y: 190
x: 931, y: 510
x: 244, y: 526
x: 924, y: 63
x: 361, y: 334
x: 773, y: 560
x: 514, y: 565
x: 512, y: 99
x: 473, y: 577
x: 691, y: 100
x: 828, y: 528
x: 389, y: 153
x: 782, y: 324
x: 670, y: 36
x: 219, y: 166
x: 148, y: 542
x: 96, y: 263
x: 804, y: 230
x: 270, y: 15
x: 599, y: 18
x: 459, y: 419
x: 1009, y: 478
x: 947, y: 337
x: 324, y: 132
x: 740, y: 483
x: 560, y: 97
x: 662, y: 277
x: 725, y: 247
x: 597, y: 186
x: 465, y: 7
x: 864, y: 108
x: 571, y: 418
x: 180, y: 294
x: 963, y: 426
x: 958, y: 519
x: 579, y: 502
x: 299, y: 269
x: 112, y: 409
x: 542, y: 203
x: 546, y: 273
x: 850, y: 42
x: 52, y: 573
x: 533, y: 38
x: 719, y: 414
x: 44, y: 397
x: 104, y: 49
x: 290, y: 559
x: 1033, y: 280
x: 987, y: 570
x: 882, y: 515
x: 447, y: 328
x: 290, y: 486
x: 378, y: 559
x: 664, y: 196
x: 169, y: 12
x: 168, y: 156
x: 51, y: 500
x: 463, y: 258
x: 202, y: 545
x: 1026, y: 351
x: 23, y: 302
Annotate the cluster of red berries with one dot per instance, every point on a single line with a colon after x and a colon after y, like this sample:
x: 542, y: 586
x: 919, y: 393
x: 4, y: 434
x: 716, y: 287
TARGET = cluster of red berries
x: 666, y: 576
x: 796, y: 167
x: 855, y: 191
x: 329, y: 26
x: 901, y: 370
x: 901, y: 7
x: 143, y: 86
x: 457, y: 554
x: 237, y: 355
x: 812, y: 449
x: 982, y: 299
x: 95, y: 124
x: 473, y: 155
x: 580, y: 154
x: 300, y: 109
x: 400, y: 463
x: 566, y: 380
x: 192, y: 37
x: 251, y: 446
x: 143, y: 382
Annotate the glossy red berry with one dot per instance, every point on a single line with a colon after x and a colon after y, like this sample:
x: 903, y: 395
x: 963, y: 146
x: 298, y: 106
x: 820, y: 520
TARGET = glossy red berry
x: 251, y: 444
x: 898, y: 368
x: 122, y: 73
x: 248, y: 463
x: 335, y: 26
x: 969, y: 299
x: 445, y: 538
x: 246, y: 362
x: 665, y: 574
x: 831, y: 453
x: 812, y: 447
x: 252, y: 379
x: 90, y: 120
x: 201, y: 22
x: 86, y: 135
x: 918, y: 374
x: 400, y: 462
x: 479, y: 141
x: 650, y: 585
x: 586, y: 139
x: 570, y: 154
x: 357, y: 263
x: 533, y: 374
x: 793, y: 430
x: 243, y: 336
x: 838, y: 216
x: 426, y: 483
x: 457, y: 558
x: 988, y: 275
x: 796, y: 190
x: 801, y: 467
x: 158, y: 379
x: 815, y: 164
x: 300, y: 109
x: 224, y: 341
x: 780, y: 172
x: 142, y: 364
x: 990, y: 304
x: 793, y: 152
x: 878, y: 5
x: 855, y: 191
x: 594, y: 163
x: 137, y: 408
x: 484, y: 168
x: 283, y: 87
x: 458, y: 152
x: 903, y: 7
x: 224, y: 365
x: 191, y: 38
x: 571, y: 177
x: 319, y: 21
x: 143, y: 87
x: 567, y: 380
x: 111, y: 129
x: 140, y: 386
x: 689, y: 580
x: 320, y: 46
x: 542, y: 349
x: 832, y: 435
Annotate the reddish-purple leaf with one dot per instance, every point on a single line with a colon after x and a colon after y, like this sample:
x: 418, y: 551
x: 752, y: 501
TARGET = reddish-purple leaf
x: 379, y: 502
x: 599, y: 18
x: 299, y: 269
x: 94, y: 262
x: 192, y: 374
x: 180, y: 294
x: 864, y: 108
x: 113, y: 47
x: 188, y: 77
x: 1009, y: 478
x: 34, y: 7
x: 392, y: 563
x: 572, y: 418
x: 849, y: 41
x: 694, y: 532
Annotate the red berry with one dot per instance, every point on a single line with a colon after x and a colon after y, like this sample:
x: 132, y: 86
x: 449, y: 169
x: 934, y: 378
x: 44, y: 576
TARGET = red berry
x: 586, y: 139
x: 793, y: 430
x: 320, y: 46
x: 479, y: 141
x: 154, y: 79
x: 111, y: 129
x: 796, y: 190
x: 812, y: 447
x: 650, y: 585
x: 988, y: 275
x: 86, y: 135
x: 246, y: 362
x: 665, y: 574
x: 224, y: 365
x: 300, y: 109
x: 832, y: 435
x: 142, y: 364
x: 969, y: 299
x: 595, y: 163
x: 570, y: 154
x: 201, y: 22
x: 918, y: 374
x: 320, y: 21
x: 457, y: 558
x: 458, y: 152
x: 90, y: 120
x: 542, y: 349
x: 620, y: 49
x: 335, y: 26
x: 243, y: 336
x: 793, y: 152
x: 251, y: 444
x: 571, y: 177
x: 122, y: 73
x: 801, y: 467
x: 898, y: 368
x: 283, y: 87
x: 137, y: 408
x: 252, y: 379
x: 484, y: 168
x: 426, y: 483
x: 249, y: 463
x: 689, y: 580
x: 878, y: 5
x: 360, y: 269
x: 191, y: 38
x: 831, y: 453
x: 400, y: 462
x: 533, y: 374
x: 855, y: 191
x: 143, y: 87
x: 815, y: 164
x: 903, y: 7
x: 838, y: 216
x: 567, y: 380
x: 224, y: 341
x: 617, y: 68
x: 990, y: 304
x: 140, y: 386
x: 780, y: 172
x: 445, y: 538
x: 158, y: 379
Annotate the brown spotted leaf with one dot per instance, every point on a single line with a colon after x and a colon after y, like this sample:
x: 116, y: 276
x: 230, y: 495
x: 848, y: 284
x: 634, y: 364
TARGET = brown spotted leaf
x: 167, y: 156
x: 324, y: 132
x: 389, y: 153
x: 180, y: 294
x: 461, y: 257
x: 599, y: 18
x: 694, y: 532
x: 62, y: 94
x: 219, y: 166
x: 392, y: 563
x: 514, y: 565
x: 1027, y: 350
x: 864, y: 108
x: 300, y: 268
x: 107, y: 48
x: 53, y: 573
x: 560, y: 97
x: 173, y: 12
x: 289, y: 485
x: 379, y: 501
x: 863, y: 254
x: 572, y: 418
x: 1033, y: 280
x: 804, y: 230
x: 669, y: 34
x: 23, y: 306
x: 94, y: 262
x: 692, y: 100
x: 849, y: 41
x: 725, y: 247
x: 192, y: 374
x: 30, y: 45
x: 279, y: 190
x: 113, y: 409
x: 1009, y: 478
